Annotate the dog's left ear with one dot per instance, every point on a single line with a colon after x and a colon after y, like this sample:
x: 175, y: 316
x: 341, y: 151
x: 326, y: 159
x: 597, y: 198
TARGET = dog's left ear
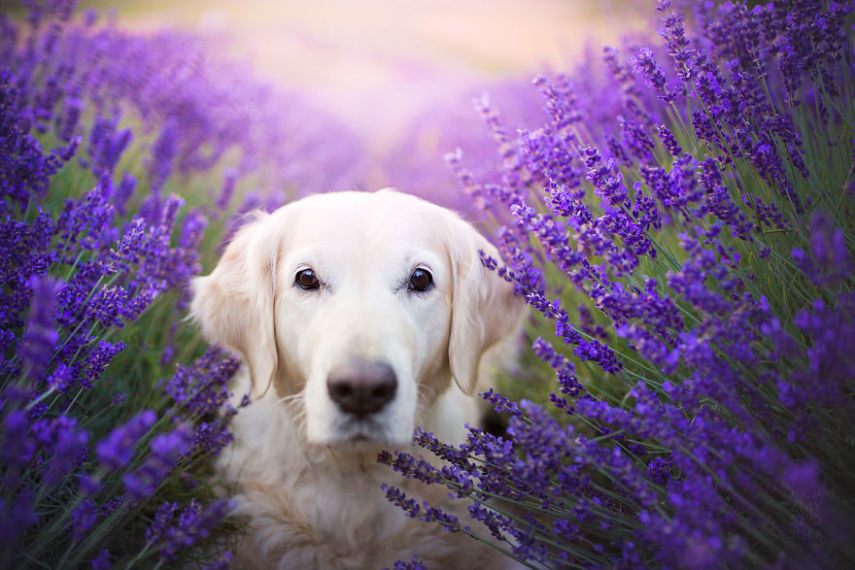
x: 484, y: 309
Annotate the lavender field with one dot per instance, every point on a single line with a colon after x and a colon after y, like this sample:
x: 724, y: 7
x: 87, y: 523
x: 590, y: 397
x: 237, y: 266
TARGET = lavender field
x: 676, y: 209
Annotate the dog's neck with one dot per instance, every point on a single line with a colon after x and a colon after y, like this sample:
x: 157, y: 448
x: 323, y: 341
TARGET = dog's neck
x: 349, y: 459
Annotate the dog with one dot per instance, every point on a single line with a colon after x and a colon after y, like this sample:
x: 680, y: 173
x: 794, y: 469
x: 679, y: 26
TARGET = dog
x: 358, y: 316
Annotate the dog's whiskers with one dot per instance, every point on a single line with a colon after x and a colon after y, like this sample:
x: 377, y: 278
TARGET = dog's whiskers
x: 425, y: 396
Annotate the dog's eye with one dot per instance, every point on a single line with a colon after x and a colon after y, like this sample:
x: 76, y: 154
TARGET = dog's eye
x: 307, y: 280
x: 420, y: 280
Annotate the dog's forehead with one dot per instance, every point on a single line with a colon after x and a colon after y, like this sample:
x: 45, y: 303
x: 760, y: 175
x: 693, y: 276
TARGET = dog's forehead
x: 386, y: 219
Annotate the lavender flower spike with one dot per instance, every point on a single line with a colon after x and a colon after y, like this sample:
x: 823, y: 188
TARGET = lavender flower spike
x: 41, y: 335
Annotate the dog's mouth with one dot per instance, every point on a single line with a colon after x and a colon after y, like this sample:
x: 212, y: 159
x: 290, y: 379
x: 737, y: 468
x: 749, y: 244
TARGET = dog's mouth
x: 366, y: 432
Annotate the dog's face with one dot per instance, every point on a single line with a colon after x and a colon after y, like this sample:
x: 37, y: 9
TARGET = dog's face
x: 363, y: 310
x: 358, y: 309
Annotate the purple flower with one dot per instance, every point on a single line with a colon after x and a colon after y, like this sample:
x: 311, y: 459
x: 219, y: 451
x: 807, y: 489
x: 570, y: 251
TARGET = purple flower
x: 192, y: 229
x: 605, y: 177
x: 193, y: 524
x: 101, y: 560
x: 19, y: 446
x: 16, y: 516
x: 647, y: 66
x: 829, y: 262
x: 229, y: 182
x: 97, y: 360
x: 89, y: 485
x: 164, y: 452
x: 659, y: 470
x: 718, y: 200
x: 668, y: 141
x: 210, y: 438
x: 678, y: 44
x: 41, y: 336
x: 107, y: 144
x: 637, y: 140
x: 202, y: 389
x: 60, y: 379
x: 123, y: 192
x: 565, y: 371
x: 64, y: 445
x: 118, y: 448
x: 82, y: 518
x: 162, y: 521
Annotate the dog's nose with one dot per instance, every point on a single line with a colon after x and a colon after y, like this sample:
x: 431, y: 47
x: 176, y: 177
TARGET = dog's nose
x: 361, y: 387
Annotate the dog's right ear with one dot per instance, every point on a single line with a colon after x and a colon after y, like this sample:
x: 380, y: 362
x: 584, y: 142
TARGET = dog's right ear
x: 234, y: 304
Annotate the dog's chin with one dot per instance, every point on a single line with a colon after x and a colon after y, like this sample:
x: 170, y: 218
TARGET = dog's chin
x: 362, y: 435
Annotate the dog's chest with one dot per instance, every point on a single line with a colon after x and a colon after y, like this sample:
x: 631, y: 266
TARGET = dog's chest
x: 311, y: 507
x: 347, y: 505
x: 325, y: 519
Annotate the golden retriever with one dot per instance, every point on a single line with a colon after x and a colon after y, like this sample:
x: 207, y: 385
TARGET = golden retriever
x: 359, y: 316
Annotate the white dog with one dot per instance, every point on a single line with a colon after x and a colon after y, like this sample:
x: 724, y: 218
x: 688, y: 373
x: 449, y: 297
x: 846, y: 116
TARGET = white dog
x: 353, y: 312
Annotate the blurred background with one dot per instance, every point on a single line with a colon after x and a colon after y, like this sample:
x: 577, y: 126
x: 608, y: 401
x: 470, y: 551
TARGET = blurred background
x: 379, y: 64
x: 398, y: 77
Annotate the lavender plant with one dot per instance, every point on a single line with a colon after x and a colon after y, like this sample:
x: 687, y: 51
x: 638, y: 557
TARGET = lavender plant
x: 686, y: 240
x: 110, y: 407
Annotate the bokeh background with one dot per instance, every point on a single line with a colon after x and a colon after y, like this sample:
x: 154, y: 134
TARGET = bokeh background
x: 398, y: 73
x: 378, y: 63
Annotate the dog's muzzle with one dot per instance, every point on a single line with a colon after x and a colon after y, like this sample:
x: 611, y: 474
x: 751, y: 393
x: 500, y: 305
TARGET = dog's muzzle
x: 362, y: 388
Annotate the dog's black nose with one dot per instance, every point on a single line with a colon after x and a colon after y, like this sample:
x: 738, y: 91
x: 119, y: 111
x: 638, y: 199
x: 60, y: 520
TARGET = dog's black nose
x: 362, y: 387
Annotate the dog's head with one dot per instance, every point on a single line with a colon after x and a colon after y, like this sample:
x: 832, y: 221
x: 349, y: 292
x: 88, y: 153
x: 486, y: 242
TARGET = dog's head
x: 358, y: 308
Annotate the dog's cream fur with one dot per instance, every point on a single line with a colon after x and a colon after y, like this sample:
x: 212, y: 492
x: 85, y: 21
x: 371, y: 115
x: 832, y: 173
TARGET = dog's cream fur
x: 302, y: 471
